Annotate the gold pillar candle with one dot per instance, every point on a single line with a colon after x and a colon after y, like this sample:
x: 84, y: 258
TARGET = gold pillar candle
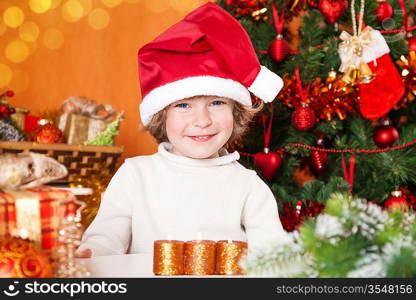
x: 168, y: 257
x: 229, y: 254
x: 199, y: 257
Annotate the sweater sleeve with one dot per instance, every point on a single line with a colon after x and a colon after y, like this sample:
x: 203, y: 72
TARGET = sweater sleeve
x: 110, y: 231
x: 261, y: 218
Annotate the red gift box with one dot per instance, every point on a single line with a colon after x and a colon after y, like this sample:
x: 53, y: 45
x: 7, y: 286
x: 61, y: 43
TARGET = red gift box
x: 31, y: 123
x: 38, y: 210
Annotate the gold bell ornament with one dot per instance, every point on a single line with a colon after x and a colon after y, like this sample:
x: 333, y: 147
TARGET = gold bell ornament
x: 365, y: 75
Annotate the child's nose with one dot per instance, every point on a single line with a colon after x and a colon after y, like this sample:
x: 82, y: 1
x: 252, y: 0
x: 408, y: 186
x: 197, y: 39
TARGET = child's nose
x: 202, y: 118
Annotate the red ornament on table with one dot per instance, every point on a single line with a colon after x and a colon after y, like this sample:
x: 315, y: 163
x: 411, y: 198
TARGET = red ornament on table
x: 303, y: 118
x: 268, y: 162
x: 279, y: 47
x: 20, y: 258
x: 6, y: 111
x: 319, y: 159
x: 332, y: 10
x: 384, y: 10
x: 397, y: 201
x: 47, y: 134
x: 385, y: 135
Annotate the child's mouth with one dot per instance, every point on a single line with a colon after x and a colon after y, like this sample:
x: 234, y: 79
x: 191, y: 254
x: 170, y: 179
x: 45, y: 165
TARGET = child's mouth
x: 201, y: 138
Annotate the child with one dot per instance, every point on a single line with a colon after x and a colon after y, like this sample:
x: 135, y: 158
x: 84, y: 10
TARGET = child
x: 194, y: 79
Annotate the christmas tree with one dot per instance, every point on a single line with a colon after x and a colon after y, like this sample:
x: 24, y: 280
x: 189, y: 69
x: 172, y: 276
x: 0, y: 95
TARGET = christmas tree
x: 107, y: 137
x: 344, y: 121
x: 352, y: 238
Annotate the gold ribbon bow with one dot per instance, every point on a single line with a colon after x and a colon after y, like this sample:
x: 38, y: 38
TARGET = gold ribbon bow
x: 351, y: 49
x: 86, y: 107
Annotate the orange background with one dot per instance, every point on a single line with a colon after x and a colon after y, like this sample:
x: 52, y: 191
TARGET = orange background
x: 98, y: 64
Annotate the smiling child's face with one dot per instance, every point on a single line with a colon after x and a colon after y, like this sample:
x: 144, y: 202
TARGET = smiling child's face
x: 198, y: 127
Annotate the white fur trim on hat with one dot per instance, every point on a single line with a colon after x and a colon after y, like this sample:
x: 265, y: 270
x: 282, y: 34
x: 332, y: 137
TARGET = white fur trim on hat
x: 267, y: 85
x: 166, y: 94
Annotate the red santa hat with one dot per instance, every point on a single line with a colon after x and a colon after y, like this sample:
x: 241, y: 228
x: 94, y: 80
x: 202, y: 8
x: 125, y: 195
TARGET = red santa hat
x: 206, y: 53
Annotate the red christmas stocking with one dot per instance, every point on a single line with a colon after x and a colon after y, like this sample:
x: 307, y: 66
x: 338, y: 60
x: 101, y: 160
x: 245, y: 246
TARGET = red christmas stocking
x: 383, y: 92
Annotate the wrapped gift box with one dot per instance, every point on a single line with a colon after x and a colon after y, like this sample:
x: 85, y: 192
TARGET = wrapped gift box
x: 78, y: 129
x: 19, y: 117
x: 38, y: 210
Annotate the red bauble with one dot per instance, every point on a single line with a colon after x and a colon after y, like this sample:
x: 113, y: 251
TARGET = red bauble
x: 385, y: 136
x: 48, y: 134
x: 252, y: 3
x: 20, y: 258
x: 397, y: 201
x: 318, y: 161
x: 303, y: 118
x: 412, y: 43
x: 9, y: 93
x: 268, y: 162
x: 5, y: 111
x: 292, y: 216
x: 384, y: 11
x: 332, y: 10
x: 279, y: 49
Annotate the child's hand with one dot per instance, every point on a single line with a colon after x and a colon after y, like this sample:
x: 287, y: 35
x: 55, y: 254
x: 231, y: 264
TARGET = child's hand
x: 86, y: 253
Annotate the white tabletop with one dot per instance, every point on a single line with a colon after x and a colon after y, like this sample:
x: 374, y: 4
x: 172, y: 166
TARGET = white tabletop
x: 128, y: 265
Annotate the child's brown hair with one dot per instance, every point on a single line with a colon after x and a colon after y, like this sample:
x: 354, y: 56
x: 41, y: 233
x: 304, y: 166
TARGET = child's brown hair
x: 243, y: 115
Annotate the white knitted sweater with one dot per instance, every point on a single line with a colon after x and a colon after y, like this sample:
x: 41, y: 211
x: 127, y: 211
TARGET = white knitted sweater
x: 166, y: 195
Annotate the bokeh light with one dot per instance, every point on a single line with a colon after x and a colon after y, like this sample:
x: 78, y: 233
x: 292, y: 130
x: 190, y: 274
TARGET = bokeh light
x: 157, y: 6
x: 99, y: 18
x: 29, y: 31
x: 72, y: 11
x: 111, y: 3
x: 17, y: 51
x: 19, y: 82
x: 3, y: 27
x: 53, y: 39
x: 87, y: 6
x: 55, y: 3
x: 13, y: 16
x: 40, y: 6
x: 6, y: 75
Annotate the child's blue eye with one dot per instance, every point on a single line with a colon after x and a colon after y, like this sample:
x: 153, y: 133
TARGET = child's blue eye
x: 182, y: 105
x: 218, y: 102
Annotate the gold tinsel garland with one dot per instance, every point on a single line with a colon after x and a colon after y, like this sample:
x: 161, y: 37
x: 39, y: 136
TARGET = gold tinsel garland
x: 327, y: 99
x: 408, y: 73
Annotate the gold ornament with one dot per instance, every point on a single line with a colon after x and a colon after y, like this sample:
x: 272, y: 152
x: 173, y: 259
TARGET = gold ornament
x: 365, y: 75
x: 351, y: 51
x: 350, y: 76
x: 20, y: 258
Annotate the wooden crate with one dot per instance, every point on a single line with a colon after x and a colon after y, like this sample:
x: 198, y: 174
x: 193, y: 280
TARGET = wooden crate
x: 79, y: 159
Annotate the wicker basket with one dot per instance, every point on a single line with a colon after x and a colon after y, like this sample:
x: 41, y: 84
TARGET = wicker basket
x: 79, y: 159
